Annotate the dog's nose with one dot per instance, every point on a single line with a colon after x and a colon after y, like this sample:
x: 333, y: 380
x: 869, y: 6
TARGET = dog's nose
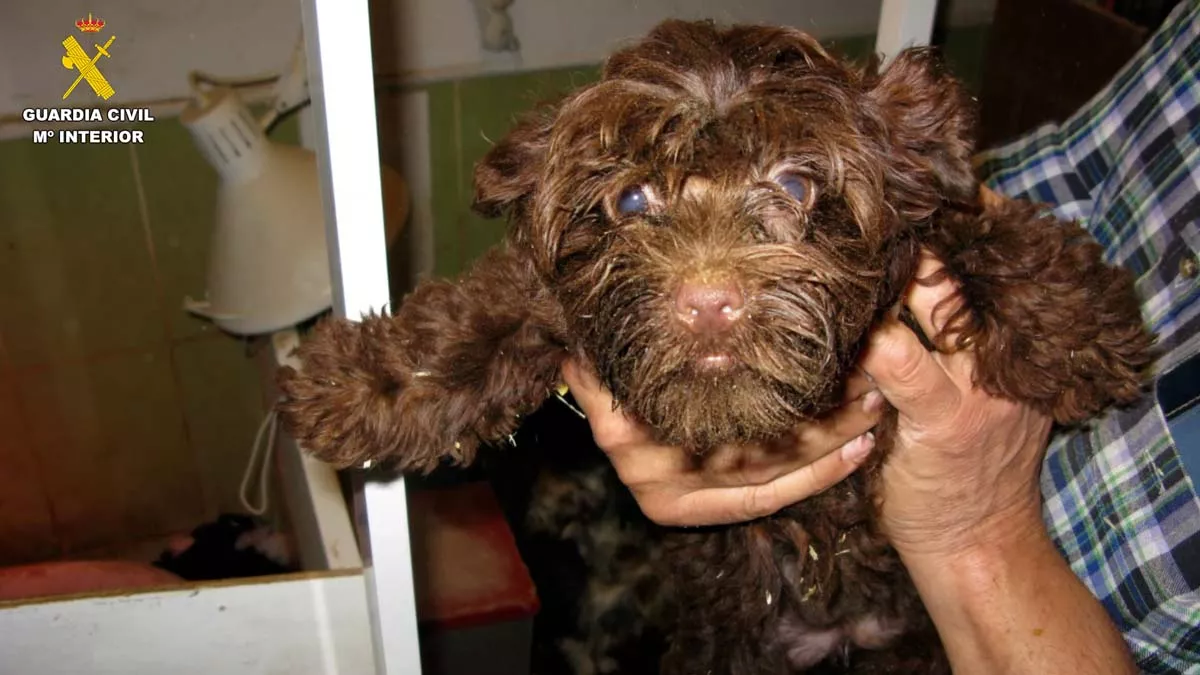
x: 708, y: 308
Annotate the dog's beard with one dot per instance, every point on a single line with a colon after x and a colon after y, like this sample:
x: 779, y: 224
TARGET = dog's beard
x: 784, y: 362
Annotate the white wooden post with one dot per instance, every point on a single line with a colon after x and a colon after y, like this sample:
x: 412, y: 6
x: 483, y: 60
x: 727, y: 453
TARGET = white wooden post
x: 342, y: 84
x: 904, y: 23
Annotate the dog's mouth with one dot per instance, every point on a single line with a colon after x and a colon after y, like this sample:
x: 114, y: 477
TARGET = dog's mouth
x: 715, y: 362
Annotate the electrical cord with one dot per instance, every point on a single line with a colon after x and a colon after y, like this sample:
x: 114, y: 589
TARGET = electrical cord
x: 270, y: 427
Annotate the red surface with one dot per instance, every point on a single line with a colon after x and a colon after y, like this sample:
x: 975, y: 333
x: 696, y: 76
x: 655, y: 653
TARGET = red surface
x: 89, y: 576
x: 466, y: 567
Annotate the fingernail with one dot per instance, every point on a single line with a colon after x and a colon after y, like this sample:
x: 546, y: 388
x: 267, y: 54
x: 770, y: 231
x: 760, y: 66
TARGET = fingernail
x: 863, y: 371
x: 857, y: 450
x: 872, y: 401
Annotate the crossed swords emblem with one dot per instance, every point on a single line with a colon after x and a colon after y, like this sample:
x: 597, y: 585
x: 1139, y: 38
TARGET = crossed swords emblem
x: 77, y: 59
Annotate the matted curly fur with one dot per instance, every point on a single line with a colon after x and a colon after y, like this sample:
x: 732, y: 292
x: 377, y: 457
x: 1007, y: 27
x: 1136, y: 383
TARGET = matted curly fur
x: 745, y: 167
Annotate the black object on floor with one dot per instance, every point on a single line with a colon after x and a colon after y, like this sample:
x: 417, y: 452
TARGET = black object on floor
x: 231, y: 547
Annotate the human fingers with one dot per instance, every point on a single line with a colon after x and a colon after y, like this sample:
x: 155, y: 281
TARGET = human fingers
x: 584, y: 386
x: 755, y: 463
x: 611, y: 428
x: 725, y: 505
x: 858, y: 416
x: 857, y: 385
x: 908, y: 376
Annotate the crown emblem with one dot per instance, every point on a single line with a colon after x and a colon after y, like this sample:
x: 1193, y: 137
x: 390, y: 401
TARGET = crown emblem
x: 89, y: 25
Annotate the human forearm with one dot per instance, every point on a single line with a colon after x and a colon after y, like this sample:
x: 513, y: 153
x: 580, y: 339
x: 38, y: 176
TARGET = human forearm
x: 1012, y: 605
x: 962, y: 505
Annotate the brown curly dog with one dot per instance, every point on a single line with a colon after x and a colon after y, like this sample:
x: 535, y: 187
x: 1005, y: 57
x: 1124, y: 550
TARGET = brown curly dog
x: 714, y: 226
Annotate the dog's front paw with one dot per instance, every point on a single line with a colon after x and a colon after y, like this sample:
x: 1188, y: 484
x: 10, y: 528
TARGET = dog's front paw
x: 359, y: 395
x: 1051, y: 321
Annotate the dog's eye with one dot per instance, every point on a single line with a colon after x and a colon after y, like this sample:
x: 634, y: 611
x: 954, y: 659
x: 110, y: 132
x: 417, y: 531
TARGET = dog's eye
x: 799, y: 187
x: 632, y: 200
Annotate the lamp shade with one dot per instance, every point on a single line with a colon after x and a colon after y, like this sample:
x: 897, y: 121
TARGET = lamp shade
x: 268, y: 267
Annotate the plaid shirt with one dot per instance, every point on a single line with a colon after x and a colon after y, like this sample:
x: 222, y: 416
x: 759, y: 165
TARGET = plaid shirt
x: 1118, y: 500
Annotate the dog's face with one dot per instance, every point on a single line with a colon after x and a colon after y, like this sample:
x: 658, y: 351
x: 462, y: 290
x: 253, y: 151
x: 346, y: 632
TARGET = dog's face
x: 723, y: 216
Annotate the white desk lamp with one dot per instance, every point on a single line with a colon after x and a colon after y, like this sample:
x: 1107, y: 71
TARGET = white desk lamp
x: 268, y: 264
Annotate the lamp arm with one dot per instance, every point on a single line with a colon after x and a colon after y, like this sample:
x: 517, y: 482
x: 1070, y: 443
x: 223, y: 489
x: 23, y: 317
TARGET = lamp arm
x: 197, y: 78
x: 291, y: 88
x: 290, y: 91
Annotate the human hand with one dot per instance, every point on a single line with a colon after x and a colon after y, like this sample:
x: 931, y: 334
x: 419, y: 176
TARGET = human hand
x: 962, y: 506
x: 964, y: 467
x: 733, y: 484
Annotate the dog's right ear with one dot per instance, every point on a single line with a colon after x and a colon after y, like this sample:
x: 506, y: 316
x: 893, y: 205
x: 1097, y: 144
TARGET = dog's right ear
x: 511, y: 170
x: 929, y: 119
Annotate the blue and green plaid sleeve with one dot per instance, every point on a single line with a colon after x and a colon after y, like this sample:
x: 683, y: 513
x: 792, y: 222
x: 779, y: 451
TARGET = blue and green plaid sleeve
x: 1118, y: 498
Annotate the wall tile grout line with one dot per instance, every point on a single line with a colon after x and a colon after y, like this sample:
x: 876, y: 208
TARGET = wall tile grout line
x: 5, y: 362
x: 57, y: 534
x: 7, y: 380
x: 459, y: 217
x: 168, y: 342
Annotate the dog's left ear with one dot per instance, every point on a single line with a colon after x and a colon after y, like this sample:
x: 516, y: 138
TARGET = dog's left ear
x: 929, y: 120
x: 510, y: 171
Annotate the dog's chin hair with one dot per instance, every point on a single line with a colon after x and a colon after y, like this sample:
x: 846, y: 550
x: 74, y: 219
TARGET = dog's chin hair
x: 700, y: 410
x: 764, y: 390
x: 703, y: 413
